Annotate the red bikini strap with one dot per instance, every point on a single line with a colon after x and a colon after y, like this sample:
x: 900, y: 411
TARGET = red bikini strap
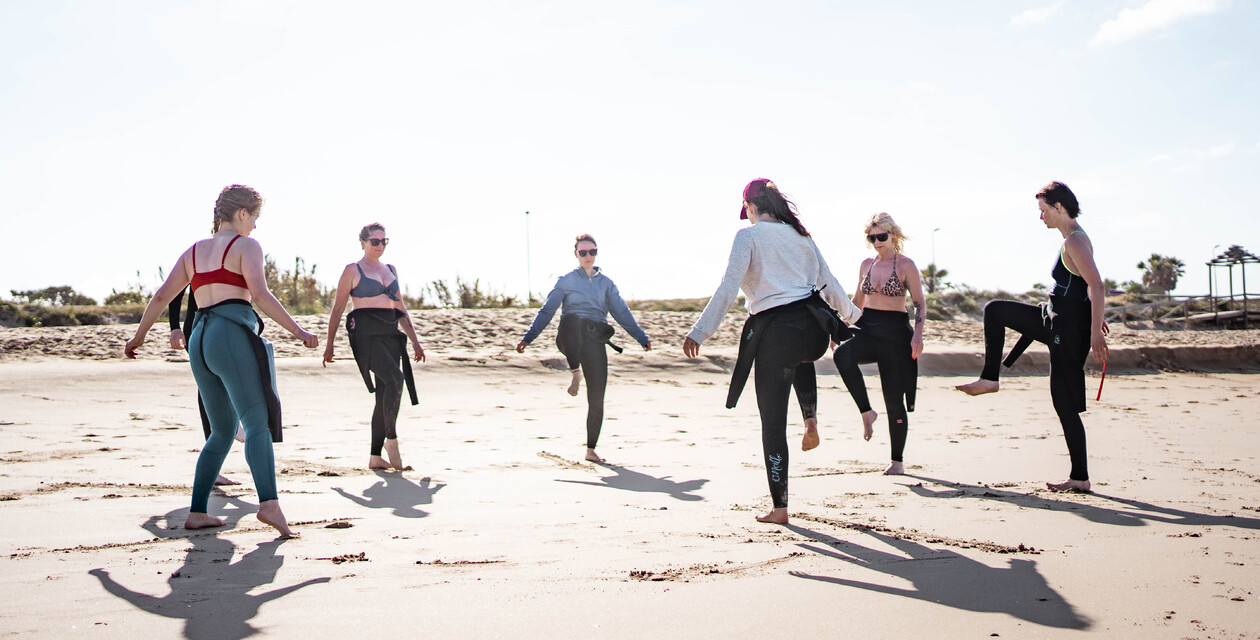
x: 225, y: 252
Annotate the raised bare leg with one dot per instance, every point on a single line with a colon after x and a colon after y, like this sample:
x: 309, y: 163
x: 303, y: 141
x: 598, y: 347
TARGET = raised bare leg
x: 868, y: 424
x: 777, y: 515
x: 1074, y: 486
x: 591, y: 456
x: 269, y: 513
x: 979, y: 387
x: 577, y: 381
x: 811, y: 440
x: 201, y: 521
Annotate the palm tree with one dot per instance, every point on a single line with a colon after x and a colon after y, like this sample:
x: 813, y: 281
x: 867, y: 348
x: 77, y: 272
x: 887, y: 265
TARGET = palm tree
x: 933, y: 278
x: 1160, y: 273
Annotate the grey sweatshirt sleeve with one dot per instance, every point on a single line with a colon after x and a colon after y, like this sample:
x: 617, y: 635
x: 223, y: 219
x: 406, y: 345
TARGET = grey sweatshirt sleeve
x: 621, y: 313
x: 736, y: 268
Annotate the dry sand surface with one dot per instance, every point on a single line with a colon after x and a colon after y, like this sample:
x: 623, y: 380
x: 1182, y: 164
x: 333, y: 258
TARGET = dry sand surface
x: 503, y: 531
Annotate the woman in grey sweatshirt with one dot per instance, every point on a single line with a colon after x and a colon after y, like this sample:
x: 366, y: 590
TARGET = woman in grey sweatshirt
x: 783, y: 275
x: 585, y: 297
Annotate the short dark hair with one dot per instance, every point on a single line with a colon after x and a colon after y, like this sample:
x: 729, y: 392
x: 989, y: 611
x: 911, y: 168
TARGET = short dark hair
x: 585, y: 237
x: 365, y: 232
x: 1058, y: 193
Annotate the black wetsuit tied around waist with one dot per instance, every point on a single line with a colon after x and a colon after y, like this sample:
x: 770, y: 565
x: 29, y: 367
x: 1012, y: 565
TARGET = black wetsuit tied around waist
x: 380, y: 348
x: 582, y: 341
x: 883, y: 337
x: 783, y: 344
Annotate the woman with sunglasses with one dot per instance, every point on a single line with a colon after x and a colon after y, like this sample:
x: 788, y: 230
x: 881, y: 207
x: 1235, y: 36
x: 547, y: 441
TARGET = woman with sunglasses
x: 1070, y: 323
x: 585, y: 297
x: 785, y: 281
x: 230, y: 361
x: 885, y: 336
x: 379, y: 348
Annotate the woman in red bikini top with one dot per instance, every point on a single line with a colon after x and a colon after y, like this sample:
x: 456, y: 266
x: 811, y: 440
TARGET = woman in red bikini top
x: 229, y: 359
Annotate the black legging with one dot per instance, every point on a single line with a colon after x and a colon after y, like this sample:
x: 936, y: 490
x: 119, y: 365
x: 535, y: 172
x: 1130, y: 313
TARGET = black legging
x: 790, y: 345
x: 885, y: 340
x: 583, y: 343
x: 1067, y: 335
x: 389, y: 387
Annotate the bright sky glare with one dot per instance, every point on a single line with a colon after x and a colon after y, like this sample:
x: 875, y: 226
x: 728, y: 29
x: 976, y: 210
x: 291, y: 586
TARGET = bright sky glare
x: 639, y: 123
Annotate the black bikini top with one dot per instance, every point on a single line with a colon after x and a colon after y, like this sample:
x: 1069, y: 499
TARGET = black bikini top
x: 370, y: 288
x: 891, y: 288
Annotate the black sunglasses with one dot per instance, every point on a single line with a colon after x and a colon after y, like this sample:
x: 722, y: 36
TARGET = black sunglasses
x: 587, y: 252
x: 376, y: 242
x: 882, y: 237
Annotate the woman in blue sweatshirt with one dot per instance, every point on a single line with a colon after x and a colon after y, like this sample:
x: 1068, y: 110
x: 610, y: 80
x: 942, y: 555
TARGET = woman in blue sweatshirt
x: 585, y: 297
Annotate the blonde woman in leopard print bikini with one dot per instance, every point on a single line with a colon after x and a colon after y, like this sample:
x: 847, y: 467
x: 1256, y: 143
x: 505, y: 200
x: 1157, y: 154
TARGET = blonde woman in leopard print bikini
x: 885, y: 335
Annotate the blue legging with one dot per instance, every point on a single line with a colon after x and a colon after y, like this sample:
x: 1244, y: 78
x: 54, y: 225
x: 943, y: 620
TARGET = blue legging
x: 228, y: 379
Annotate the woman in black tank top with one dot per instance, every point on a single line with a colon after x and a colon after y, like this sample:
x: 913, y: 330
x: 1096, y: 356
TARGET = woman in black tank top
x: 1070, y: 323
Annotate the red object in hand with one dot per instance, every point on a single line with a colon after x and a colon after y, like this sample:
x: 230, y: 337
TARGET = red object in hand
x: 1101, y: 381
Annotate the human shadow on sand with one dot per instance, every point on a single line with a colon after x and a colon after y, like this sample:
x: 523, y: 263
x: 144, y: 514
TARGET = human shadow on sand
x: 1137, y: 513
x: 210, y: 592
x: 950, y: 579
x: 396, y: 492
x: 628, y: 480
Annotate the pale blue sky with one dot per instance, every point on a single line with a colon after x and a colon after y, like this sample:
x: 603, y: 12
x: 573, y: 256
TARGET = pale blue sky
x: 638, y: 123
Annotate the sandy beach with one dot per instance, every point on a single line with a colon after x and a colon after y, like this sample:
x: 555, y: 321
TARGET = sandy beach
x: 501, y: 530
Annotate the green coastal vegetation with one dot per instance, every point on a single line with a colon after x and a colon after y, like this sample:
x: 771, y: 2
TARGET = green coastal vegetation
x: 300, y: 290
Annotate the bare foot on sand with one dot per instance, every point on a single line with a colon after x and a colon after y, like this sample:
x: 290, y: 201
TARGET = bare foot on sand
x: 979, y: 387
x: 269, y: 513
x: 1074, y: 486
x: 240, y: 433
x: 868, y: 424
x: 377, y: 462
x: 201, y: 521
x: 810, y: 441
x: 591, y: 456
x: 395, y: 458
x: 577, y: 382
x: 224, y: 480
x: 777, y: 515
x: 894, y: 469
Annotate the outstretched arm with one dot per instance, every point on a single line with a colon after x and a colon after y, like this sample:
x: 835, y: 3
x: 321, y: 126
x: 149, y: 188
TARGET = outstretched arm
x: 175, y: 283
x: 256, y: 280
x: 339, y: 306
x: 407, y: 327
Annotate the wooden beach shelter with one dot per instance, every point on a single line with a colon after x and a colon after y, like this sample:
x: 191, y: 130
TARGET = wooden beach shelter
x: 1234, y: 256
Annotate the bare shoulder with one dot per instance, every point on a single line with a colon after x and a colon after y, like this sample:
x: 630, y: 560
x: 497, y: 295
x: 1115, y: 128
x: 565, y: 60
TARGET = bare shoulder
x: 1079, y: 243
x: 908, y: 263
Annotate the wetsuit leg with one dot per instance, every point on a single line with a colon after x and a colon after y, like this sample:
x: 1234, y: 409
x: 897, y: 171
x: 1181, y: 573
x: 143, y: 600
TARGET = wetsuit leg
x: 1066, y: 392
x: 594, y: 363
x: 1000, y: 315
x: 388, y: 376
x: 569, y: 340
x: 786, y: 344
x: 231, y: 388
x: 890, y: 382
x: 857, y: 350
x: 805, y: 383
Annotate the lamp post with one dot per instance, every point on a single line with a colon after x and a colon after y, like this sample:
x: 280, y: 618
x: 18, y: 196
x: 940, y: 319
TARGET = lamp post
x: 529, y: 281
